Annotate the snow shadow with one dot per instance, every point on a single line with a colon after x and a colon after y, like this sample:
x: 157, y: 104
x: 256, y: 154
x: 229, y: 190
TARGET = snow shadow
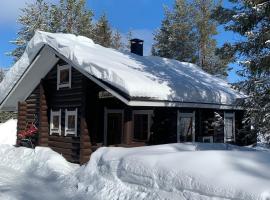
x: 187, y: 82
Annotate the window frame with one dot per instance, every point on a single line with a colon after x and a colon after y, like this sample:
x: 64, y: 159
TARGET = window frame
x: 52, y: 114
x: 67, y: 114
x: 185, y: 115
x: 59, y: 69
x: 229, y: 115
x: 150, y: 114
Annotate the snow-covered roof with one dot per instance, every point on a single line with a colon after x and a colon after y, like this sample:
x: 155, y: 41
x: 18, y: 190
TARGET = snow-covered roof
x: 139, y: 77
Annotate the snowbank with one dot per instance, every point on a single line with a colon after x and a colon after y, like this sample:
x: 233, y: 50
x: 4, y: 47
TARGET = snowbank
x: 33, y: 174
x: 8, y: 132
x: 177, y: 171
x: 159, y: 78
x: 172, y: 172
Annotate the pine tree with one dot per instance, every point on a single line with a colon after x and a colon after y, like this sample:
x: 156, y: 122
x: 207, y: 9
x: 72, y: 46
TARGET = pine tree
x: 176, y: 37
x: 251, y: 19
x: 186, y: 34
x: 206, y: 26
x: 103, y: 32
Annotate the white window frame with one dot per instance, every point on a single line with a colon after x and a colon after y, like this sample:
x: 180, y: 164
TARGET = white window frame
x: 229, y: 115
x: 208, y: 138
x: 70, y: 113
x: 113, y: 111
x: 150, y: 114
x: 59, y: 69
x: 185, y: 114
x: 55, y: 113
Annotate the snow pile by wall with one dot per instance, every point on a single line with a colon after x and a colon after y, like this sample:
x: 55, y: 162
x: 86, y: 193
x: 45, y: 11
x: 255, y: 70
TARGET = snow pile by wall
x: 137, y: 76
x: 8, y: 132
x: 164, y: 172
x: 177, y: 171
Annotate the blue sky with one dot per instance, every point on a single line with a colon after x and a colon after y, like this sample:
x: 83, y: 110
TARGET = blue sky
x: 143, y: 17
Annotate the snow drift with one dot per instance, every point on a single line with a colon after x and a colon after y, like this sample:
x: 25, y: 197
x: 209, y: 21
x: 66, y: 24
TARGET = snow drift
x: 8, y: 132
x: 173, y: 172
x: 178, y: 171
x: 159, y: 78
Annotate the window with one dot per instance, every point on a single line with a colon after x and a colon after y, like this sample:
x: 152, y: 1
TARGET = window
x: 229, y: 124
x: 186, y: 127
x: 71, y: 122
x: 63, y: 76
x: 55, y: 122
x: 142, y: 120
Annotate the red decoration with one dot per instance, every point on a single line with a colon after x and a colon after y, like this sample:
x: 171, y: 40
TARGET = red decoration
x: 29, y: 132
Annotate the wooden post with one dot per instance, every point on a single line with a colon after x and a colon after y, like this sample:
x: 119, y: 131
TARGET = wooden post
x: 85, y: 140
x: 43, y: 118
x: 21, y: 124
x: 127, y: 136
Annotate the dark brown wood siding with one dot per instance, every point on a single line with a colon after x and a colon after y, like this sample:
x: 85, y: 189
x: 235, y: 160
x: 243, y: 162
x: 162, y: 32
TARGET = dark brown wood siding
x: 63, y: 98
x: 28, y: 113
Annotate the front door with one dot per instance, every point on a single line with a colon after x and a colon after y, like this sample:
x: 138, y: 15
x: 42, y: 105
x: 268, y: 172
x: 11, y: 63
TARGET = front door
x: 114, y: 128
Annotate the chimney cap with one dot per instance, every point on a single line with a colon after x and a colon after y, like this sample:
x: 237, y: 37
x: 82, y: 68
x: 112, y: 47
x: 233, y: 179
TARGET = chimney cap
x: 136, y: 40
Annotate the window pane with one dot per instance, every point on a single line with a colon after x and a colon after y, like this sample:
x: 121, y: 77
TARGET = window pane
x: 141, y: 126
x: 71, y: 122
x: 64, y: 76
x: 186, y: 129
x: 55, y: 121
x: 229, y: 128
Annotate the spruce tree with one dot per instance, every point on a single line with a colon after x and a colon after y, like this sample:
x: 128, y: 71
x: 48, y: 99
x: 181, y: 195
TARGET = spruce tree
x: 251, y: 20
x: 102, y: 32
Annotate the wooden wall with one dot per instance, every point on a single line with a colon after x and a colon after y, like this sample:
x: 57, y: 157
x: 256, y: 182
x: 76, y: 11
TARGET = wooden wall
x: 28, y: 112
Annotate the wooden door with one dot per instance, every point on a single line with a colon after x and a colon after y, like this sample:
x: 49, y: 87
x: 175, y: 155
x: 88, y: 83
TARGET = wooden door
x: 114, y: 128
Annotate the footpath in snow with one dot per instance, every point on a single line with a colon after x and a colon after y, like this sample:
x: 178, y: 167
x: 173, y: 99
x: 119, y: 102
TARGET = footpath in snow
x: 175, y: 171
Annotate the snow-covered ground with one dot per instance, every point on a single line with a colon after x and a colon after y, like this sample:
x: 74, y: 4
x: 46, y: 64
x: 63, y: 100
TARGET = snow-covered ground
x: 174, y: 171
x: 8, y: 132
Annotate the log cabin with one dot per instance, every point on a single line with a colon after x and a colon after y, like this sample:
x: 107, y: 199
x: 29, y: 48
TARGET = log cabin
x: 82, y: 96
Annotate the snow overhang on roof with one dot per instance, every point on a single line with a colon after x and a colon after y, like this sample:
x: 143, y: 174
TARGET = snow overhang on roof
x: 147, y: 80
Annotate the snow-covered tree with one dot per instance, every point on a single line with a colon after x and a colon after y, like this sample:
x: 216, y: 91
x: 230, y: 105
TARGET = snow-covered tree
x: 2, y: 74
x: 69, y: 16
x: 34, y: 16
x: 251, y: 20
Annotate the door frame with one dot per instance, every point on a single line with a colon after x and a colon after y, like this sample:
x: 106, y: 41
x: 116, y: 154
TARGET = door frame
x: 112, y: 111
x: 185, y: 114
